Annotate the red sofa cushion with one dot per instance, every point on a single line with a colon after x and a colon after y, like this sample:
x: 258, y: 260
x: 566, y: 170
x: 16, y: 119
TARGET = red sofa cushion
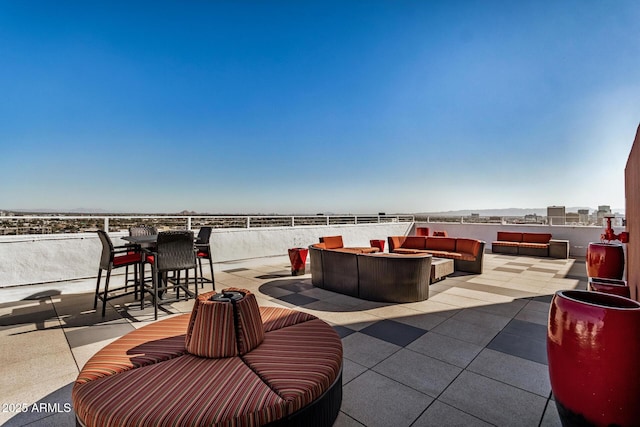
x: 332, y: 242
x: 508, y: 236
x: 414, y: 242
x: 185, y: 391
x: 441, y: 244
x: 468, y: 246
x: 299, y: 362
x: 536, y: 237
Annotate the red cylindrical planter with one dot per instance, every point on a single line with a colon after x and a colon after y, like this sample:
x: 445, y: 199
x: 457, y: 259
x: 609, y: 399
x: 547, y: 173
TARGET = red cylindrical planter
x: 605, y: 260
x: 609, y: 286
x: 593, y: 351
x: 298, y: 258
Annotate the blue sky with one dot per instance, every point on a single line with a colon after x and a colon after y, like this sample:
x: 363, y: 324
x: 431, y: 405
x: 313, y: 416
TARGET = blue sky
x: 306, y: 107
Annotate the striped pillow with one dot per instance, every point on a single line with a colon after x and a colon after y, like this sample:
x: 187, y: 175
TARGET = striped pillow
x: 211, y: 331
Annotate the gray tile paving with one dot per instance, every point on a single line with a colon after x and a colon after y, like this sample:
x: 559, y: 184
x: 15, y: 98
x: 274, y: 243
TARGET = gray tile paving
x: 474, y: 354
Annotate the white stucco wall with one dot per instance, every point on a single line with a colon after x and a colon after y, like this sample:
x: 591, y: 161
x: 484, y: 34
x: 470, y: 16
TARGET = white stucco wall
x: 37, y: 259
x: 51, y: 258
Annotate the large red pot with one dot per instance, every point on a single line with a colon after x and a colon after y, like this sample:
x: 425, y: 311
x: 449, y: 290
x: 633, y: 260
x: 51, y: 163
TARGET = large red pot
x: 594, y: 358
x: 609, y: 286
x: 605, y: 260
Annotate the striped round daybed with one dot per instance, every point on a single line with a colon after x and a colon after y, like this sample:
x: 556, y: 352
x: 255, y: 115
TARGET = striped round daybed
x: 228, y: 363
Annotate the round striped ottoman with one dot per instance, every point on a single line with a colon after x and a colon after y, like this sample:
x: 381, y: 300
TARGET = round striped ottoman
x: 228, y: 363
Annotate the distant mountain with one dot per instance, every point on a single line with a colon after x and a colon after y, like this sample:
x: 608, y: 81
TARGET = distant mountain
x: 505, y: 212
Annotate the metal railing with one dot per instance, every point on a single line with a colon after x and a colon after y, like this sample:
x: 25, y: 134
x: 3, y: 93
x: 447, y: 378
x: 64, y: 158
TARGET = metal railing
x: 61, y: 224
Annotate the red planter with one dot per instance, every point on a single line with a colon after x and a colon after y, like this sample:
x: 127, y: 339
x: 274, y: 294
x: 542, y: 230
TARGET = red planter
x: 609, y: 286
x: 377, y: 244
x: 298, y: 258
x: 593, y: 351
x: 605, y: 260
x: 422, y: 231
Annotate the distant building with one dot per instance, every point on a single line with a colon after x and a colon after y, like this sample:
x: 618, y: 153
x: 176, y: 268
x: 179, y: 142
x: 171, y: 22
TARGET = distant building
x: 603, y: 210
x: 532, y: 218
x: 572, y: 218
x: 583, y: 216
x: 556, y: 215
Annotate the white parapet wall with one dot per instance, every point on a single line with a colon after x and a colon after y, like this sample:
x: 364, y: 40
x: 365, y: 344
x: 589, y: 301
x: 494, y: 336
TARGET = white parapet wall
x: 38, y: 259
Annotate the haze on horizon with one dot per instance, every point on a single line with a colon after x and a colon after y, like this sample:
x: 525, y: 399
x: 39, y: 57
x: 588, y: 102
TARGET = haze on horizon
x: 306, y: 107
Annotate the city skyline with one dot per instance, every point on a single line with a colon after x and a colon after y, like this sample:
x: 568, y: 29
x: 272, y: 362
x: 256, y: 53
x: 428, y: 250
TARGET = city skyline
x: 309, y: 107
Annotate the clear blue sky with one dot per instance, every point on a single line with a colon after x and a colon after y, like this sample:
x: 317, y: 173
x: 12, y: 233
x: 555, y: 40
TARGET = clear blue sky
x: 306, y: 107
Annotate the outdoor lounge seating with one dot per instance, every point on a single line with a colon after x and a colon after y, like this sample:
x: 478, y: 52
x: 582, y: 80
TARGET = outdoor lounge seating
x: 467, y: 254
x: 372, y: 276
x: 335, y: 242
x: 516, y: 243
x: 229, y: 362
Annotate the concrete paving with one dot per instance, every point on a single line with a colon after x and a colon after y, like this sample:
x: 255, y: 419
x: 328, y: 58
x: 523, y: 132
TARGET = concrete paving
x: 473, y: 354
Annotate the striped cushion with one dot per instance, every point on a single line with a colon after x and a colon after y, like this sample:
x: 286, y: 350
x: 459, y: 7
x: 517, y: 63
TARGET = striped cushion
x: 299, y: 362
x: 211, y: 331
x: 150, y: 344
x: 505, y: 243
x: 250, y: 330
x: 185, y: 391
x: 534, y: 245
x: 276, y: 318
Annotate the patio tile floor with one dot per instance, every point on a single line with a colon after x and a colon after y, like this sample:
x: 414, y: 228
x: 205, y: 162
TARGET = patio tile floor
x: 474, y: 354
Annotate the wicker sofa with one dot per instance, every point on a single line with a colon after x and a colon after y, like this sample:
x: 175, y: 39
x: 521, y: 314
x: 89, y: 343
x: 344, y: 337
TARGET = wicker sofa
x: 467, y: 254
x: 229, y: 362
x: 515, y: 243
x: 371, y: 276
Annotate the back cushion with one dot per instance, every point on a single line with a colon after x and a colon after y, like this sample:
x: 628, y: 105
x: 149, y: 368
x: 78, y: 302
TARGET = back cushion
x: 468, y: 246
x: 536, y: 237
x: 507, y: 236
x: 395, y: 242
x: 414, y: 242
x: 441, y: 244
x: 332, y: 242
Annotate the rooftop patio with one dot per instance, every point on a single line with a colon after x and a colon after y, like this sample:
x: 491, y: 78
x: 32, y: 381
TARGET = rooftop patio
x: 474, y: 353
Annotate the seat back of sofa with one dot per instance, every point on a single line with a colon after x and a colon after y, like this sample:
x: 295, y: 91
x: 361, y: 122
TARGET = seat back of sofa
x: 536, y: 237
x: 332, y: 242
x: 509, y: 236
x: 447, y: 244
x: 468, y: 246
x: 414, y: 242
x: 394, y: 278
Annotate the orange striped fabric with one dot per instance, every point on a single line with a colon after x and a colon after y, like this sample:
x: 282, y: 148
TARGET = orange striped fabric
x: 211, y: 331
x: 250, y: 329
x: 299, y: 362
x: 277, y: 318
x: 150, y: 344
x: 186, y: 391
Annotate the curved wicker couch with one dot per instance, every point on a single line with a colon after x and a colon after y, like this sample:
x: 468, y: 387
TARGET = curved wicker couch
x: 229, y: 362
x: 374, y: 276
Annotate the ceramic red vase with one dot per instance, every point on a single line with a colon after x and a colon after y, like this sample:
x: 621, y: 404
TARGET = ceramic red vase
x: 605, y: 260
x: 609, y: 286
x: 298, y: 258
x: 594, y: 358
